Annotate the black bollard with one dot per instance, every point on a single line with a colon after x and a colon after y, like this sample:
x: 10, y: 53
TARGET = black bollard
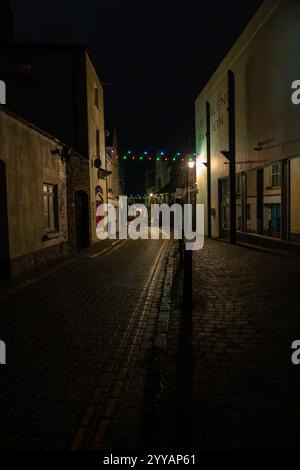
x: 188, y: 279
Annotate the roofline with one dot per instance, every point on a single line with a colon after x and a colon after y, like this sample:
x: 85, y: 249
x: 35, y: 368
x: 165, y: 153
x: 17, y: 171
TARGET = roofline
x: 63, y: 47
x: 30, y: 125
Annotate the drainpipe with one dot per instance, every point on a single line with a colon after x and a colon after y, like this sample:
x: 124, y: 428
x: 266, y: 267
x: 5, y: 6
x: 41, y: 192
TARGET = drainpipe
x: 208, y: 165
x: 231, y: 154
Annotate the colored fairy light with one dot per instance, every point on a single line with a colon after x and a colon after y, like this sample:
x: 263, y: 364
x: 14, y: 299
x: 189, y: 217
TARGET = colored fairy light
x: 162, y: 156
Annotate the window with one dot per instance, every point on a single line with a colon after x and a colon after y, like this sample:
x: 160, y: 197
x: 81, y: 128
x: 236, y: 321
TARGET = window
x: 239, y: 206
x: 295, y: 200
x: 251, y: 195
x: 271, y: 201
x: 225, y: 203
x: 276, y: 175
x: 272, y: 220
x: 97, y: 143
x: 50, y: 207
x: 96, y: 97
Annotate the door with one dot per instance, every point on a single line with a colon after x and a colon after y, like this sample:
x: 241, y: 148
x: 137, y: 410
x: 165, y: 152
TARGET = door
x: 82, y: 219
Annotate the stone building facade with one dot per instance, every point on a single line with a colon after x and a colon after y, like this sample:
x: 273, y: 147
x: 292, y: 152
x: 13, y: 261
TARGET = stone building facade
x: 33, y: 197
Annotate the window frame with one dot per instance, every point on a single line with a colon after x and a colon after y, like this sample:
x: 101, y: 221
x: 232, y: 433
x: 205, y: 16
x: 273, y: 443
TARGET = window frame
x: 51, y: 195
x: 277, y: 175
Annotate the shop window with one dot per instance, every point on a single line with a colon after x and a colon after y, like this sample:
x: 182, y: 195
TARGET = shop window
x: 276, y: 175
x: 272, y: 220
x: 50, y: 207
x: 295, y: 200
x: 272, y: 201
x: 239, y: 210
x: 225, y: 204
x: 251, y: 195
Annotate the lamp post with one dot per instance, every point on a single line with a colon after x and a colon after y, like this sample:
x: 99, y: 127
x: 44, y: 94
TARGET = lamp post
x: 188, y: 254
x: 191, y: 166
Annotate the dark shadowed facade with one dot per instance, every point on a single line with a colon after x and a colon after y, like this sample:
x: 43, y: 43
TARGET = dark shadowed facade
x: 57, y: 88
x: 6, y: 23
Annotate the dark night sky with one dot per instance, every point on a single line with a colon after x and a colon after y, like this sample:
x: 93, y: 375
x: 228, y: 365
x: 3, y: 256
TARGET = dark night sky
x: 156, y: 55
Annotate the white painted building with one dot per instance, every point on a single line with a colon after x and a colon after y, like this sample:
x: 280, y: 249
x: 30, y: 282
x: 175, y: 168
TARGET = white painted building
x: 264, y: 62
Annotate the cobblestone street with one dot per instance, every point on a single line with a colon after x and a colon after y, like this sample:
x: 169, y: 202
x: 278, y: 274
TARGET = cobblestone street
x: 76, y: 340
x: 230, y: 382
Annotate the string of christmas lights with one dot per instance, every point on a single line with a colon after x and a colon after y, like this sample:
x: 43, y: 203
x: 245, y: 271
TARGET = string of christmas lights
x: 160, y: 156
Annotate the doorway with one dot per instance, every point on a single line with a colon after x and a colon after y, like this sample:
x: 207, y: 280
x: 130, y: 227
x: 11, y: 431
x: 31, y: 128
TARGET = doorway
x: 82, y: 219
